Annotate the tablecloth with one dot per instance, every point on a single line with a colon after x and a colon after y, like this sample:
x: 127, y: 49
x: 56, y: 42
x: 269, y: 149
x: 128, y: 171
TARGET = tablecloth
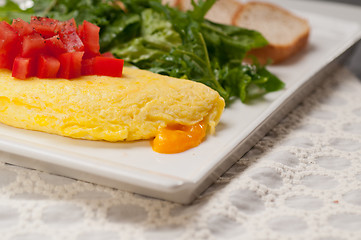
x: 303, y: 179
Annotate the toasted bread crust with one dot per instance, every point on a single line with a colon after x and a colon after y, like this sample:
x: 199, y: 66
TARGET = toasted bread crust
x: 221, y: 12
x: 172, y: 3
x: 276, y: 51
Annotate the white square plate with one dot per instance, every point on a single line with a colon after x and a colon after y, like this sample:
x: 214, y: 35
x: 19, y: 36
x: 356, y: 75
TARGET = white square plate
x: 181, y: 177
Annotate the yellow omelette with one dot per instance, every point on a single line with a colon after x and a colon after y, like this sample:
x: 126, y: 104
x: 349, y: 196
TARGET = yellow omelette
x: 132, y: 107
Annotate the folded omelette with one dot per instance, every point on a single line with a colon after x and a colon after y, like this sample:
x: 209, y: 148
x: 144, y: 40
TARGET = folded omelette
x: 132, y: 107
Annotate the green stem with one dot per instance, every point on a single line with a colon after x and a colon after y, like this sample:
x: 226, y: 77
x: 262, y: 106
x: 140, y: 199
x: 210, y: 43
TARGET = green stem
x: 161, y: 46
x: 48, y: 9
x: 221, y: 90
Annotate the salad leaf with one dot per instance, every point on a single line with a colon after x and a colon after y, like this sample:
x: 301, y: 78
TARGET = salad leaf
x: 11, y: 10
x: 165, y: 40
x: 154, y: 41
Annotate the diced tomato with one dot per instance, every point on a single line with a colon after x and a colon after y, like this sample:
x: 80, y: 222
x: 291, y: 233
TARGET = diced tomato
x: 87, y: 66
x: 23, y: 68
x: 9, y: 45
x: 70, y: 64
x: 103, y: 66
x: 79, y: 30
x: 49, y: 48
x: 72, y: 42
x: 8, y: 37
x: 47, y: 67
x: 108, y: 55
x: 89, y: 34
x: 68, y: 34
x: 5, y: 61
x: 21, y: 27
x: 108, y: 66
x: 66, y: 26
x: 54, y: 45
x: 33, y: 44
x: 46, y: 27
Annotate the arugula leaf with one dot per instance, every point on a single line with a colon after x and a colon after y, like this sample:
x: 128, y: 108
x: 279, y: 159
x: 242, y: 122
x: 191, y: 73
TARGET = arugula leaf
x: 123, y: 29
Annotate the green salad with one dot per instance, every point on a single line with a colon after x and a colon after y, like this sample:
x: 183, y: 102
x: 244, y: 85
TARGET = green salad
x: 165, y: 40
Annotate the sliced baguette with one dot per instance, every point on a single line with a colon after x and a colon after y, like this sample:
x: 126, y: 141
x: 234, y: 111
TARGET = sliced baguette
x: 286, y: 33
x: 172, y: 3
x: 221, y: 12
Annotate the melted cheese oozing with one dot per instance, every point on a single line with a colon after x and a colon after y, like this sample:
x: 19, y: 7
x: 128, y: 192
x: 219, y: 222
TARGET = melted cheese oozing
x: 179, y: 138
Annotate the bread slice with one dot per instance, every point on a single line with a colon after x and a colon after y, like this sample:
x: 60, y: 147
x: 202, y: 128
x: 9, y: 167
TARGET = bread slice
x: 172, y: 3
x: 286, y: 33
x: 221, y: 12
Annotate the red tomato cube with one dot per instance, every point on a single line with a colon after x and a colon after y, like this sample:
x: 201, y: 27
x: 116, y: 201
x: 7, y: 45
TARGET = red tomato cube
x: 103, y: 66
x: 79, y: 30
x: 47, y: 67
x: 70, y: 65
x: 55, y: 46
x: 8, y: 37
x: 72, y: 42
x: 108, y: 55
x: 46, y: 27
x: 9, y: 45
x: 7, y: 59
x: 112, y: 67
x: 33, y: 44
x: 5, y: 62
x: 69, y: 36
x: 89, y: 34
x: 66, y: 26
x: 21, y: 27
x: 87, y: 66
x: 23, y: 68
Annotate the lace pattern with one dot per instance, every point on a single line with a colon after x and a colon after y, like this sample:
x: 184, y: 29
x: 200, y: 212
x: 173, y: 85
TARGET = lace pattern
x: 302, y: 179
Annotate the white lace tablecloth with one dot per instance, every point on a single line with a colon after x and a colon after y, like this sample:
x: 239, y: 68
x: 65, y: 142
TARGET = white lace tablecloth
x: 301, y: 181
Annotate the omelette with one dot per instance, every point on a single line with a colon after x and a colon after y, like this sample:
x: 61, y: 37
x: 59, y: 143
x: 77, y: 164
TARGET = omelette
x: 136, y: 106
